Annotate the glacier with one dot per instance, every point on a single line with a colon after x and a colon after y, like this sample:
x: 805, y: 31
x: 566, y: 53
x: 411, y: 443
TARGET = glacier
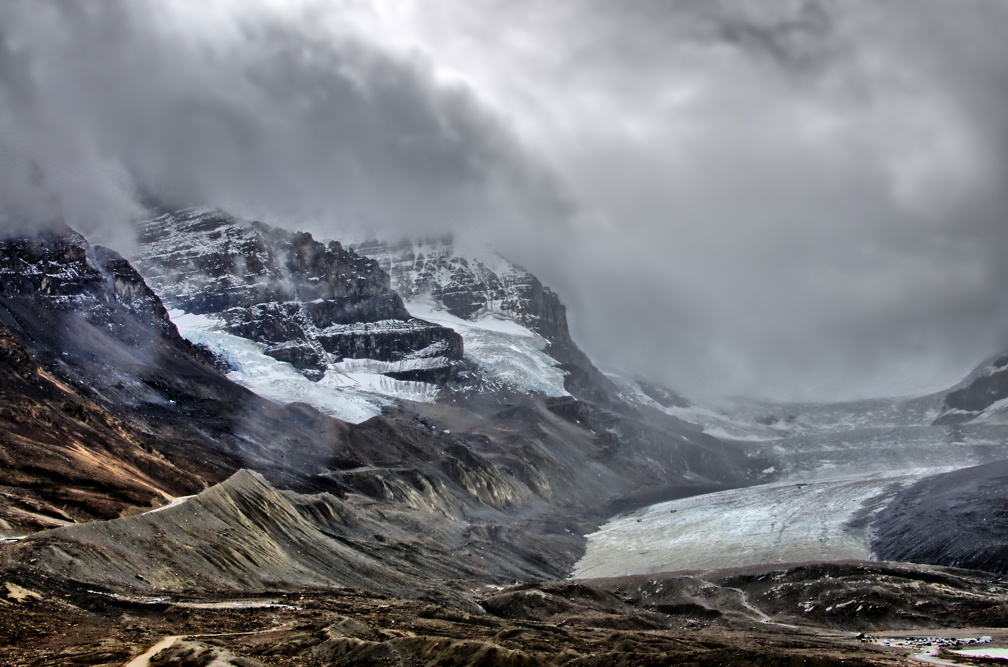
x: 276, y: 380
x: 503, y: 348
x: 829, y: 486
x: 356, y: 390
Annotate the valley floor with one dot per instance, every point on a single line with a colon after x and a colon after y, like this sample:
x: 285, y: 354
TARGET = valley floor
x: 739, y: 617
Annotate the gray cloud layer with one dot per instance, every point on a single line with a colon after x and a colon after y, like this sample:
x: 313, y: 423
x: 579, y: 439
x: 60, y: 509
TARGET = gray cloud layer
x: 811, y: 195
x: 772, y: 197
x: 255, y: 108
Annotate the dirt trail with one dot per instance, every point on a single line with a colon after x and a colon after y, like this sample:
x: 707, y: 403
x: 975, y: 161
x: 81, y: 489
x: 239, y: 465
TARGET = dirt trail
x: 144, y: 659
x: 174, y: 502
x: 743, y: 599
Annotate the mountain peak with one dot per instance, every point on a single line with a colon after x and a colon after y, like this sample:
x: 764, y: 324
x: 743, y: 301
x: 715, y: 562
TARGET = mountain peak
x: 311, y: 304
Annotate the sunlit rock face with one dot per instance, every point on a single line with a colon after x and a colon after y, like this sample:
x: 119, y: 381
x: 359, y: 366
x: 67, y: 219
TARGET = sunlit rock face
x: 470, y: 287
x: 310, y: 303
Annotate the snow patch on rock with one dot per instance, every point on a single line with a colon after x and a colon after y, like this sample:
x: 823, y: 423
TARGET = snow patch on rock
x: 352, y: 399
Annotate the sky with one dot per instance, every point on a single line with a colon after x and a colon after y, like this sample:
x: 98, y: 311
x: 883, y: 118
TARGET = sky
x: 793, y: 200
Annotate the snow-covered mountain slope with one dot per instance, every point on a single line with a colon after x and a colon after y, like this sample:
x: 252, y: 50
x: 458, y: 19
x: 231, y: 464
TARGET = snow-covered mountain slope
x: 482, y: 287
x: 309, y: 304
x: 982, y: 397
x: 713, y: 421
x: 298, y: 321
x: 506, y: 356
x: 250, y: 366
x: 756, y: 421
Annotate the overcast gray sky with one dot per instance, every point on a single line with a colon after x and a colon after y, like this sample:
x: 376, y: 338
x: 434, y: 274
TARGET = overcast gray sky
x: 778, y: 198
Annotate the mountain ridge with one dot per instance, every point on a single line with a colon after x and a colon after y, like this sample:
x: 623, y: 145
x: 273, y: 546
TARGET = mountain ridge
x: 424, y: 502
x: 108, y: 340
x: 981, y: 396
x: 311, y: 304
x: 470, y: 286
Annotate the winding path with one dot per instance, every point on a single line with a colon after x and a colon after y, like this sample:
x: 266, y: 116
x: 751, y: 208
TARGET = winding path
x: 144, y: 659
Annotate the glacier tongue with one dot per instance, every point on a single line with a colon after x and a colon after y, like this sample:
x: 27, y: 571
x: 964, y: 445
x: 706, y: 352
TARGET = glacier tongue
x: 279, y: 381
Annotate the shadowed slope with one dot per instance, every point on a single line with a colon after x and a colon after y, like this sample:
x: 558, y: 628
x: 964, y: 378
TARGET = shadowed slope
x: 958, y: 519
x: 240, y: 535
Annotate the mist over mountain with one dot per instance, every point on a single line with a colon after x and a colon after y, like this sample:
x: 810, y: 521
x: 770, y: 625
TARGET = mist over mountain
x: 474, y: 332
x: 780, y: 199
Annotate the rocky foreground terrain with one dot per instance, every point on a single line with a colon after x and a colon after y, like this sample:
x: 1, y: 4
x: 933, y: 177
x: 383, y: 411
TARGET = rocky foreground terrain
x: 804, y: 615
x: 152, y: 509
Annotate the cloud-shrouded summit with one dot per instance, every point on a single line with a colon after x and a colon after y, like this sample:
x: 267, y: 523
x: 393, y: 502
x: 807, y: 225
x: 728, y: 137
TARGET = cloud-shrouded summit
x: 797, y: 199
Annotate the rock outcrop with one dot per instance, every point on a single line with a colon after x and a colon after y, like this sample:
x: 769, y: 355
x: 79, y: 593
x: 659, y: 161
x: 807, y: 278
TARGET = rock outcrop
x: 469, y: 287
x: 59, y: 267
x: 310, y: 303
x: 983, y: 394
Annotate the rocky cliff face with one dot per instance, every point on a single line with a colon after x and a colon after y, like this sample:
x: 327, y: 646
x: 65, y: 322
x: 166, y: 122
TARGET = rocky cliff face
x: 470, y: 287
x: 983, y: 395
x: 311, y: 304
x: 59, y: 268
x: 52, y: 281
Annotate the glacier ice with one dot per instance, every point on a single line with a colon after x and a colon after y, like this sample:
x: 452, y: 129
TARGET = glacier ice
x: 505, y: 349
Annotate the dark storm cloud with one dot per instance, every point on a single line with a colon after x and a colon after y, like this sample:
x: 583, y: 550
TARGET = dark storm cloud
x: 255, y: 108
x: 792, y: 198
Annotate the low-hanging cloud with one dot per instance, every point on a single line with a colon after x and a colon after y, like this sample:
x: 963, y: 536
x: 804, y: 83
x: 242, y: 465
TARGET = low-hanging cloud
x: 782, y: 198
